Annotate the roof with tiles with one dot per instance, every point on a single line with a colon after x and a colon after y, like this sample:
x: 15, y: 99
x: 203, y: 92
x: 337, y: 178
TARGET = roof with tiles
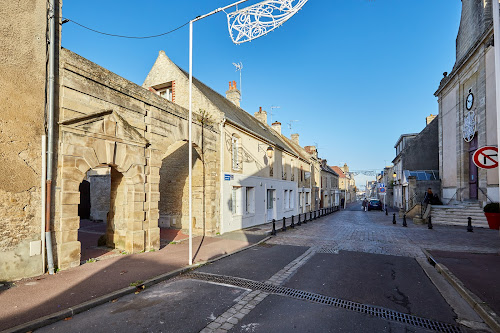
x: 240, y: 117
x: 338, y: 171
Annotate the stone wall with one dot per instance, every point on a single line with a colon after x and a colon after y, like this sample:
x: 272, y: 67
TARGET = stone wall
x: 22, y: 102
x: 422, y: 152
x: 106, y: 120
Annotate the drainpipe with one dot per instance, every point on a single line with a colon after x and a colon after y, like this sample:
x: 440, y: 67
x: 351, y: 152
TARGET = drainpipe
x: 221, y: 192
x: 50, y: 121
x: 43, y: 194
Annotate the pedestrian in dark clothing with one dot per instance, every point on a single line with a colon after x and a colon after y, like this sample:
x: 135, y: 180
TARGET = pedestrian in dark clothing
x: 342, y: 202
x: 429, y: 196
x: 365, y: 205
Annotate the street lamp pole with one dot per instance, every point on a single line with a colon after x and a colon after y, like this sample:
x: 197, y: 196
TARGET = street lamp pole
x: 267, y: 16
x: 190, y: 120
x: 496, y: 34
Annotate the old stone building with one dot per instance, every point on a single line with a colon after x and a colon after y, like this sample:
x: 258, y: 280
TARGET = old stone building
x: 261, y: 171
x: 467, y: 109
x: 22, y: 106
x: 416, y: 166
x: 104, y: 126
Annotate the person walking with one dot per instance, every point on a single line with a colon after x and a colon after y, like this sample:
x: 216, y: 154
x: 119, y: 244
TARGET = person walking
x: 365, y: 205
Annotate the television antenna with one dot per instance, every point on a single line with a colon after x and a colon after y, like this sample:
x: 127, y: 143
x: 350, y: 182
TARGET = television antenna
x: 290, y: 123
x: 239, y: 67
x: 271, y: 112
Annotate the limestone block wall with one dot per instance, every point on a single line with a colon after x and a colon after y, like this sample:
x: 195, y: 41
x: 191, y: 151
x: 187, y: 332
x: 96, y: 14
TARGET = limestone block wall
x: 22, y: 102
x: 109, y: 121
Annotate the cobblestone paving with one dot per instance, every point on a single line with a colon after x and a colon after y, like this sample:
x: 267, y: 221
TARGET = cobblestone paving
x: 373, y: 232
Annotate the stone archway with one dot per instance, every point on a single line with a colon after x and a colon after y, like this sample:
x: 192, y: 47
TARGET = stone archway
x: 174, y: 195
x: 103, y: 138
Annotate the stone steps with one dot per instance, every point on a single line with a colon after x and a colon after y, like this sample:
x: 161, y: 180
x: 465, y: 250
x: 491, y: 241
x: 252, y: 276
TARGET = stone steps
x: 458, y: 214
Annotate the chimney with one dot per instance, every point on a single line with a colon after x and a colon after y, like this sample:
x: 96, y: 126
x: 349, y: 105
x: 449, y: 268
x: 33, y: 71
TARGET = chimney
x: 233, y: 94
x: 429, y: 119
x: 277, y: 127
x: 261, y: 115
x: 295, y: 139
x: 311, y: 150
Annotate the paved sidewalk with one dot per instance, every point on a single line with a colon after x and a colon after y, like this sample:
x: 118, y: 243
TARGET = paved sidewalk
x: 30, y: 299
x: 477, y: 277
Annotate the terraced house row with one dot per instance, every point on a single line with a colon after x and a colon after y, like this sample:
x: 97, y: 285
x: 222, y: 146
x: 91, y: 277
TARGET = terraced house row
x: 119, y: 156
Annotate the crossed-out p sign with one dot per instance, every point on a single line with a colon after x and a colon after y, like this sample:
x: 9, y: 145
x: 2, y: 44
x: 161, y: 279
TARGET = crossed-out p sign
x: 486, y: 157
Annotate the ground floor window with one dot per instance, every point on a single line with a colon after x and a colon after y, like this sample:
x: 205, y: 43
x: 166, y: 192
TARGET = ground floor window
x: 236, y: 200
x: 250, y: 200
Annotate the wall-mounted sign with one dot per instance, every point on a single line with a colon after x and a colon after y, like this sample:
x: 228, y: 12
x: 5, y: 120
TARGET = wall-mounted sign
x: 469, y: 128
x: 486, y: 157
x: 228, y: 177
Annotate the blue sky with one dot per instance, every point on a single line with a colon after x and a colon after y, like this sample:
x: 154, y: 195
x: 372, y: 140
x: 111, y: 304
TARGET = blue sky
x: 356, y: 74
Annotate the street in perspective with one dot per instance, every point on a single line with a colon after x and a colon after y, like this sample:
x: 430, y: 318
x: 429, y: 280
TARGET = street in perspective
x: 250, y: 166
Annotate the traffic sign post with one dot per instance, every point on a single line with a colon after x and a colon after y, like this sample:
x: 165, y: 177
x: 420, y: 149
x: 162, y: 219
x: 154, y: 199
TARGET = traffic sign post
x: 486, y: 157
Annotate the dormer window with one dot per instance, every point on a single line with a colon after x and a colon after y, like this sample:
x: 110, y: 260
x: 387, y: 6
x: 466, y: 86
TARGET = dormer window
x: 166, y: 90
x: 166, y: 93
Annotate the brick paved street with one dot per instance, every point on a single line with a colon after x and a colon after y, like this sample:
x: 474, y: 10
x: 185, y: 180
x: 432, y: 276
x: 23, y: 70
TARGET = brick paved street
x: 335, y: 273
x: 373, y: 232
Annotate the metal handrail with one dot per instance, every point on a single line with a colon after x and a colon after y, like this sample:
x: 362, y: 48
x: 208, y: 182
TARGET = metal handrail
x: 452, y: 196
x: 487, y: 197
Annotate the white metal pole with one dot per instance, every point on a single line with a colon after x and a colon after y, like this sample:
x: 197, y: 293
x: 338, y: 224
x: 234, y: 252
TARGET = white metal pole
x: 190, y: 163
x: 496, y: 31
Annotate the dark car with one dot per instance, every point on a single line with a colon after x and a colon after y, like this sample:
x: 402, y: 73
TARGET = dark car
x: 374, y: 204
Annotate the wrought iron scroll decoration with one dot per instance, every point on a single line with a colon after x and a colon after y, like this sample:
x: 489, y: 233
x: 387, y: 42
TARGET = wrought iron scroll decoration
x: 257, y: 20
x: 469, y: 128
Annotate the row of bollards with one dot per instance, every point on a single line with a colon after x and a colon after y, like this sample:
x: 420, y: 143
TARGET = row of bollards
x: 313, y: 215
x: 429, y: 224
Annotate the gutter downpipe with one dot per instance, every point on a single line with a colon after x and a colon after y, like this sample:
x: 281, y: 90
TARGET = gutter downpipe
x: 50, y: 145
x: 42, y: 197
x: 221, y: 194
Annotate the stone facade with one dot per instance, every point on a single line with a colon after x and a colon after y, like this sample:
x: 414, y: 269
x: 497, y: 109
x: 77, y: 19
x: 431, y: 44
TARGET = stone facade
x: 473, y: 72
x: 22, y: 105
x: 106, y: 120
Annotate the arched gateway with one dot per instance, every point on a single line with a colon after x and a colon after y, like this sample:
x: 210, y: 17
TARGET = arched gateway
x: 95, y: 140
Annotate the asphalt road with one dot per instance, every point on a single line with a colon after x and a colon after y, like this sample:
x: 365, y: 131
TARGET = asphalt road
x: 304, y: 280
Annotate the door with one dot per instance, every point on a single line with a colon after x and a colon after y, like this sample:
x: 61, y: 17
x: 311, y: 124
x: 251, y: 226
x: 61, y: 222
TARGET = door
x: 472, y: 169
x: 271, y: 204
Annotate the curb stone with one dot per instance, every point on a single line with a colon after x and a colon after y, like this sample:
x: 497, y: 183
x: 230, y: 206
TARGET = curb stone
x: 481, y: 308
x: 71, y: 311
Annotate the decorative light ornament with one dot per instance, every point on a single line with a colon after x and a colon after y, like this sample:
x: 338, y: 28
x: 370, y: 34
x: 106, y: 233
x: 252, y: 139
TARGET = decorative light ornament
x: 469, y: 128
x: 257, y: 20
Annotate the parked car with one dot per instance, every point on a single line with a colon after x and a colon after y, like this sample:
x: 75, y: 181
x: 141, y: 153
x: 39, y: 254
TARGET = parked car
x: 374, y: 204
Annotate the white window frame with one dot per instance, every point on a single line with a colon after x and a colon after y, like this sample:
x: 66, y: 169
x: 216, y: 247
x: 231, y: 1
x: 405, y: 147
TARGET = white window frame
x: 236, y: 201
x: 291, y: 203
x: 250, y: 200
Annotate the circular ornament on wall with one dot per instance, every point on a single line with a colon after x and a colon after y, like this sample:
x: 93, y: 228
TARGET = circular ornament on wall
x: 469, y: 128
x: 469, y: 101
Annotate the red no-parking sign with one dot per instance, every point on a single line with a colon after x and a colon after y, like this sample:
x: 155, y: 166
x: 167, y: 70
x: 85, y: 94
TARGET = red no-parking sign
x: 486, y: 157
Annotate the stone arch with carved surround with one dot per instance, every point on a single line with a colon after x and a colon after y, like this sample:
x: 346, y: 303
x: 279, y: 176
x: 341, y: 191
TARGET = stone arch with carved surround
x: 90, y: 141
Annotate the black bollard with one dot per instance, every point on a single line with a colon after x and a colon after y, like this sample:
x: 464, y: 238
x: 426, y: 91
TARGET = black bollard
x: 404, y: 220
x: 469, y: 224
x: 305, y: 218
x: 429, y: 225
x: 394, y: 218
x: 273, y: 232
x: 284, y: 224
x: 386, y: 212
x: 293, y: 224
x: 298, y: 222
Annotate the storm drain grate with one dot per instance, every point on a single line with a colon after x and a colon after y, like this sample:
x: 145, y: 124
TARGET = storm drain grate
x: 330, y: 250
x: 336, y: 302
